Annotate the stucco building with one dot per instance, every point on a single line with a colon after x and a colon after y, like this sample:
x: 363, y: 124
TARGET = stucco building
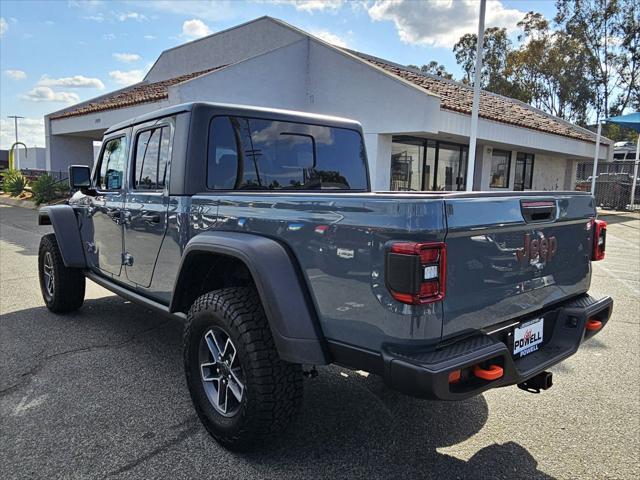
x: 416, y: 126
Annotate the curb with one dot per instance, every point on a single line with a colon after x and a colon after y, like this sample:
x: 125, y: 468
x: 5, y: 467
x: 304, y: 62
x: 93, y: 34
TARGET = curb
x: 14, y: 202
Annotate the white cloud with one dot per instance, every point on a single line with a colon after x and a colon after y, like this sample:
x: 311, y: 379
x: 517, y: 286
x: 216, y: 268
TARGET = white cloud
x: 126, y: 57
x: 30, y: 132
x: 195, y: 28
x: 98, y: 17
x: 329, y: 37
x: 126, y: 78
x: 309, y: 5
x: 108, y: 36
x: 149, y: 37
x: 441, y: 23
x: 45, y: 94
x: 15, y: 74
x: 85, y: 3
x: 213, y: 10
x: 77, y: 81
x: 4, y: 26
x: 131, y: 16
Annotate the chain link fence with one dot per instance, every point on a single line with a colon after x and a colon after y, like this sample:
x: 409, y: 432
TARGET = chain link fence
x: 614, y: 182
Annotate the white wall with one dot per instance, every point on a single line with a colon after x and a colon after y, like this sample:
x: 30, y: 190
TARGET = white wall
x: 35, y: 158
x: 379, y: 157
x: 274, y: 80
x: 501, y: 133
x: 344, y: 86
x: 311, y: 77
x: 549, y: 173
x: 65, y: 150
x: 223, y: 48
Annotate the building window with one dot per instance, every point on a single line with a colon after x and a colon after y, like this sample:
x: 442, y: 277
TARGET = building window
x: 524, y: 171
x: 419, y: 164
x: 500, y: 165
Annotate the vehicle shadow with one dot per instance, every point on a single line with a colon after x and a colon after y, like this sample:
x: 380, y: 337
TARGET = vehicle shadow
x: 351, y: 425
x: 613, y: 218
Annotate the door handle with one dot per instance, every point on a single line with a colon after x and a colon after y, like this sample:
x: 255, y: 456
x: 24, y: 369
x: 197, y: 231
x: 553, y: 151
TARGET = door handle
x: 151, y: 218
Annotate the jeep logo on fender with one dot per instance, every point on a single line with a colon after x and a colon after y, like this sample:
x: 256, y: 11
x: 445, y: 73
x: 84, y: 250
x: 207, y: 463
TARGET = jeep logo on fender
x: 544, y: 247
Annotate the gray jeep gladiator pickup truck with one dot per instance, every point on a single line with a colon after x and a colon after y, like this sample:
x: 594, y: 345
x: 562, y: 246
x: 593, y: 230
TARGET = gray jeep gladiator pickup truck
x: 258, y: 228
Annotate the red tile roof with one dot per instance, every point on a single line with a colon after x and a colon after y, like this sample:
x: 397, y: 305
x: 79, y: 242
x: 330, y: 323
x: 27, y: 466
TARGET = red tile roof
x: 134, y: 95
x: 458, y: 97
x: 454, y: 96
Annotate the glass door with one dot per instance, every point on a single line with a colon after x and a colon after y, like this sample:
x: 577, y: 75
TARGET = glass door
x: 406, y: 166
x: 451, y: 167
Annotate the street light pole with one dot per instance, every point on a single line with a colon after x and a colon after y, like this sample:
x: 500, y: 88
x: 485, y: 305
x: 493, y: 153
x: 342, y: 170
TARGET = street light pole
x: 17, y: 150
x: 596, y: 155
x: 471, y: 163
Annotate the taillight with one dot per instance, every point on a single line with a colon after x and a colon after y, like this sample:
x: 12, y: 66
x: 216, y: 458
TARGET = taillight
x: 321, y: 229
x: 415, y: 272
x: 599, y: 239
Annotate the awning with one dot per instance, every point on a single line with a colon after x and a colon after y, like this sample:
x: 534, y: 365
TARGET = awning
x: 629, y: 121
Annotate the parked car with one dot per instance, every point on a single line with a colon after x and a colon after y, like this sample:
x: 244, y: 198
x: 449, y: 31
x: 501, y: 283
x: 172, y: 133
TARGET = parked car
x: 613, y: 190
x: 258, y: 229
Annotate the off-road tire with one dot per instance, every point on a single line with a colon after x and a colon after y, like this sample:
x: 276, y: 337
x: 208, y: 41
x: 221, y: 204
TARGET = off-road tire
x: 69, y: 283
x: 272, y: 387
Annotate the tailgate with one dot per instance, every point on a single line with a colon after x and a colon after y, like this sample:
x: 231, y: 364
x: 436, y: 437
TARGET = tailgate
x: 509, y: 256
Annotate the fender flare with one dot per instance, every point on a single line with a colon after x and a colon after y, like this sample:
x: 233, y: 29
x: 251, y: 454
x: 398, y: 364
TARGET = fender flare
x: 65, y: 226
x: 282, y: 290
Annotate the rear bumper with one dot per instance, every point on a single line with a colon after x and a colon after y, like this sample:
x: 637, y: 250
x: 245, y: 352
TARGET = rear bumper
x: 425, y: 373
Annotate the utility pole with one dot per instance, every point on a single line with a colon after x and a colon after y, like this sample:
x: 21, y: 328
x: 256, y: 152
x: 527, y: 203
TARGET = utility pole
x: 15, y: 123
x: 471, y: 163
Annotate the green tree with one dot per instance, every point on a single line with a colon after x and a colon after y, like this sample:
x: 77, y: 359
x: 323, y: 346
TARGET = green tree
x: 496, y: 54
x: 548, y: 70
x: 600, y: 26
x: 629, y: 60
x: 433, y: 68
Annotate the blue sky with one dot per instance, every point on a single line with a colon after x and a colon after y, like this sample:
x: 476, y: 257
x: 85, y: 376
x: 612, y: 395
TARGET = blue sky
x: 56, y: 53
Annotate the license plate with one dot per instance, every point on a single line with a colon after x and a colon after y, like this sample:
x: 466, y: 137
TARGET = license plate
x: 527, y: 337
x: 345, y: 253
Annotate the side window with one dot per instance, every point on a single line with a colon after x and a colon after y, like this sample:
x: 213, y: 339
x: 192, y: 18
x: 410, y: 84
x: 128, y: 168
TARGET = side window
x: 112, y: 162
x: 151, y: 159
x: 223, y: 154
x: 163, y: 156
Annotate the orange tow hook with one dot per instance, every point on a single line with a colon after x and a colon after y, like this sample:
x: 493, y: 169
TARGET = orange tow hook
x: 494, y: 372
x: 594, y: 325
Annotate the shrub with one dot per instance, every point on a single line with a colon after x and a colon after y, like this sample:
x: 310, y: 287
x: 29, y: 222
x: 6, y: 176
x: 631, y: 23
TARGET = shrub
x: 14, y: 182
x: 44, y: 189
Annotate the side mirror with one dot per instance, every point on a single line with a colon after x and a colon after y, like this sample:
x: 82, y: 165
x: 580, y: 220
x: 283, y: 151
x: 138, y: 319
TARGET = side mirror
x: 79, y: 177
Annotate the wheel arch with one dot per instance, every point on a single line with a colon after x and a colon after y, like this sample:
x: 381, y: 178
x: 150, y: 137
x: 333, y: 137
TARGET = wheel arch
x: 65, y: 226
x: 277, y: 278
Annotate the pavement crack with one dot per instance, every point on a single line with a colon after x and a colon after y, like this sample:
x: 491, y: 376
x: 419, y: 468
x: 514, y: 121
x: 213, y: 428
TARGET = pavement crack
x: 42, y: 361
x: 163, y: 447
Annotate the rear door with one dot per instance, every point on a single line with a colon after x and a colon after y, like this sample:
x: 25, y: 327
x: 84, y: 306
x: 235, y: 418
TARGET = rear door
x: 147, y: 200
x: 509, y: 256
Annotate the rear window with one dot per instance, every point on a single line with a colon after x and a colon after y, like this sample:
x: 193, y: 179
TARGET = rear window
x: 257, y: 154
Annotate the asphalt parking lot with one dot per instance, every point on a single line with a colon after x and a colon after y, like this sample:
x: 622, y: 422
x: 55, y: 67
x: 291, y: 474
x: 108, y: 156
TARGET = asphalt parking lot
x: 101, y: 393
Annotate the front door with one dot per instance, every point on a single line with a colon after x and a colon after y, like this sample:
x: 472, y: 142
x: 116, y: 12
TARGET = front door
x: 106, y: 207
x: 147, y: 201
